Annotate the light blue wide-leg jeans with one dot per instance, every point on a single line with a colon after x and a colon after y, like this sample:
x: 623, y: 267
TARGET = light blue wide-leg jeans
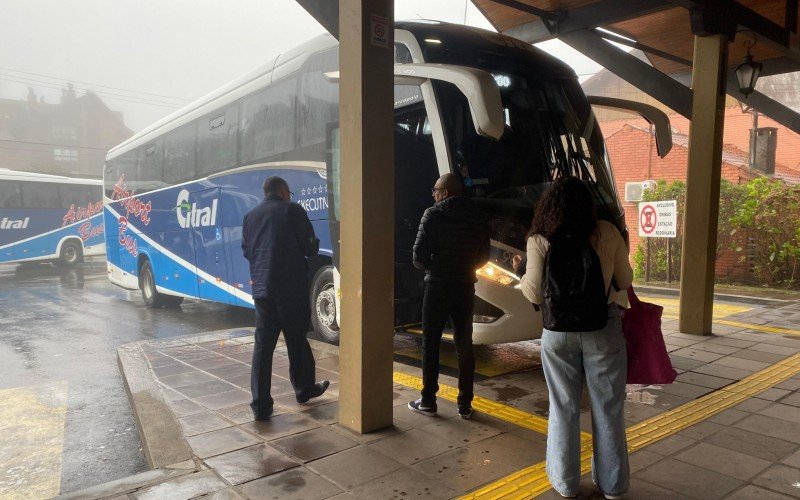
x: 568, y: 357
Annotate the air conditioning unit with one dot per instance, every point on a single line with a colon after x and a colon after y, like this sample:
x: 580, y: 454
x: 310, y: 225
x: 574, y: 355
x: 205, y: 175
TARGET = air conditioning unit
x: 634, y: 191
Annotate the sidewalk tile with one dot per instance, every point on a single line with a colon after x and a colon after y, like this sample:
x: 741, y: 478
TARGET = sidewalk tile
x: 184, y: 407
x: 704, y: 380
x: 412, y: 446
x: 793, y: 460
x: 689, y: 391
x: 466, y: 430
x: 752, y: 405
x: 396, y: 428
x: 313, y: 444
x: 780, y: 478
x: 701, y: 430
x: 224, y: 399
x: 772, y: 394
x: 220, y: 441
x: 642, y: 459
x: 201, y: 423
x: 205, y: 389
x: 294, y: 484
x: 743, y: 344
x: 280, y: 426
x: 692, y: 481
x: 774, y: 349
x: 728, y: 417
x: 723, y: 371
x: 643, y: 489
x: 325, y: 414
x: 714, y: 347
x: 765, y: 357
x: 184, y: 487
x: 770, y: 426
x: 723, y: 460
x: 174, y: 368
x: 250, y: 463
x: 743, y: 364
x: 696, y: 354
x: 751, y: 492
x: 670, y: 445
x: 782, y: 411
x: 681, y: 363
x: 226, y: 494
x: 464, y: 469
x: 792, y: 384
x: 183, y: 379
x: 404, y: 483
x: 751, y: 443
x: 354, y: 467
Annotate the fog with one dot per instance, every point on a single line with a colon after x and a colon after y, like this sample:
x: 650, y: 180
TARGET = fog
x: 147, y: 58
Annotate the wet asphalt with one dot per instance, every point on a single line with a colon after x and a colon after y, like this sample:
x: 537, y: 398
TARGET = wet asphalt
x: 63, y: 326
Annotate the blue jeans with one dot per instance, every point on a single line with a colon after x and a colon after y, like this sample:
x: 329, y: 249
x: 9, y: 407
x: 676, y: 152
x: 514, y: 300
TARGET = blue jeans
x: 599, y: 356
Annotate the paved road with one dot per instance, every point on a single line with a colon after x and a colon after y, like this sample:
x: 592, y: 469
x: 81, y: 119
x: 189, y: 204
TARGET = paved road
x: 62, y: 403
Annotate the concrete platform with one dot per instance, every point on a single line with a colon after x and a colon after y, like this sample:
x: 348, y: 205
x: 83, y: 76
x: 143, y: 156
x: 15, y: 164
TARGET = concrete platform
x: 729, y: 427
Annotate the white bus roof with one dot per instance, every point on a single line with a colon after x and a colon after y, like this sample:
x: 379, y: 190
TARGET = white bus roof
x: 277, y: 68
x: 16, y: 175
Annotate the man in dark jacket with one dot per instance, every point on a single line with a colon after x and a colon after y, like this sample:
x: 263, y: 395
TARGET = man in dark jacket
x: 276, y: 239
x: 452, y: 243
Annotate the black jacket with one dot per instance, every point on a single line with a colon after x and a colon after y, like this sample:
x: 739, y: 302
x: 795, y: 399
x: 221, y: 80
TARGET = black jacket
x: 276, y: 239
x: 452, y: 241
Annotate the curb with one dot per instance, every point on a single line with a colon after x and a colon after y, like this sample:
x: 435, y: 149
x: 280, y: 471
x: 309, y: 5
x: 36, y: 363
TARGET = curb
x: 159, y: 430
x: 744, y: 299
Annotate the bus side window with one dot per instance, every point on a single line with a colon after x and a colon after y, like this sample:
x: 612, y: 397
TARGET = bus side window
x: 78, y: 195
x: 216, y: 141
x: 40, y: 195
x: 127, y: 170
x: 319, y: 99
x: 178, y: 164
x: 269, y: 122
x: 151, y: 166
x: 10, y: 195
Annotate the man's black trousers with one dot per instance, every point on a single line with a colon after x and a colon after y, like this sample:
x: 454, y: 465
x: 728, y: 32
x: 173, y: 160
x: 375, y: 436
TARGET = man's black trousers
x: 455, y: 301
x: 273, y: 315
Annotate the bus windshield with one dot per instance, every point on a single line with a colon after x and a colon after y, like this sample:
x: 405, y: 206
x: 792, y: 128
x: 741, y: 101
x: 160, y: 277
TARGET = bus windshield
x: 549, y: 132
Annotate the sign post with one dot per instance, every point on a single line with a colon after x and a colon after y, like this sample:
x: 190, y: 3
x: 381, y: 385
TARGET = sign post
x: 658, y: 219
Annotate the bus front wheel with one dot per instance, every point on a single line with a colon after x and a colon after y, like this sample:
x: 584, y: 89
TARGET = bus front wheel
x: 71, y: 253
x: 323, y: 306
x: 151, y: 296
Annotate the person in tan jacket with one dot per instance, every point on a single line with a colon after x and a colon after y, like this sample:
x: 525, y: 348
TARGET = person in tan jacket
x: 564, y: 223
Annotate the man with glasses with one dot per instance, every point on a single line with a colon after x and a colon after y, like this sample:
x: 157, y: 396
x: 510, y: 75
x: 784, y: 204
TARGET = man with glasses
x: 277, y: 238
x: 452, y: 243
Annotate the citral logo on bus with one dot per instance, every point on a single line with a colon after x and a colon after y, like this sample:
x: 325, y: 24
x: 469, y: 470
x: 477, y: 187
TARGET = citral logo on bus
x: 191, y: 216
x: 6, y: 223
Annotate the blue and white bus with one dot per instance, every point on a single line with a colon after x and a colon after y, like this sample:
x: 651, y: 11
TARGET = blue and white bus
x: 49, y: 218
x: 503, y: 115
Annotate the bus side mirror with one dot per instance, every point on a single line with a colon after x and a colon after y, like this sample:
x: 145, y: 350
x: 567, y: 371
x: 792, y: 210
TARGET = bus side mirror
x: 653, y: 115
x: 478, y: 86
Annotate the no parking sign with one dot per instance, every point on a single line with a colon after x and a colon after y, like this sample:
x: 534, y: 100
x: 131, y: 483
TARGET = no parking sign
x: 658, y: 219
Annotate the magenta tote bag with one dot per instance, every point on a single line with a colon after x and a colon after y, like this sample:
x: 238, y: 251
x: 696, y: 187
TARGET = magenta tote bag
x: 648, y: 361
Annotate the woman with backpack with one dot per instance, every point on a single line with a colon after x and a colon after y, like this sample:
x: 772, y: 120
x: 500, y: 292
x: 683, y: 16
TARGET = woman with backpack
x: 571, y: 260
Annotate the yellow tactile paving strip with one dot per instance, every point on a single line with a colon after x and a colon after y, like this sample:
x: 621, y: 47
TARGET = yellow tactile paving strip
x: 532, y: 481
x: 671, y: 307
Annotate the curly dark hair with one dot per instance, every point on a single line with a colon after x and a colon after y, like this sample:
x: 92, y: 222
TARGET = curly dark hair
x: 565, y: 210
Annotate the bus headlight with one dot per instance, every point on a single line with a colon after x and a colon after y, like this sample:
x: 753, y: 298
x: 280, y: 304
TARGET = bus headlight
x: 497, y: 274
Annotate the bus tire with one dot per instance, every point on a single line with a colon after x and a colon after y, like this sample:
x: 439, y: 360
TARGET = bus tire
x: 323, y: 306
x: 150, y: 295
x: 71, y: 253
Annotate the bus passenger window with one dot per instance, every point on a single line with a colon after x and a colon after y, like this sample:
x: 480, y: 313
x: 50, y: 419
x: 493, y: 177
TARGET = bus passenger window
x: 151, y: 166
x: 10, y: 195
x: 318, y: 98
x: 79, y: 195
x: 179, y: 154
x: 216, y: 142
x: 269, y: 122
x: 40, y: 195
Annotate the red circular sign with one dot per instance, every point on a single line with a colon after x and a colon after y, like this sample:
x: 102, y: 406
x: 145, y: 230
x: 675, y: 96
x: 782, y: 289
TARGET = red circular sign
x: 648, y: 219
x: 379, y: 30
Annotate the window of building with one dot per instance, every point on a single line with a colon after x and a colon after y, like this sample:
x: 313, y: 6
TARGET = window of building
x: 40, y: 195
x: 217, y: 137
x: 65, y: 154
x: 64, y: 133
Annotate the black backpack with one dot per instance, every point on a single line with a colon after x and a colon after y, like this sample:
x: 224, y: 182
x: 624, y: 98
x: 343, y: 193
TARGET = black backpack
x: 574, y: 298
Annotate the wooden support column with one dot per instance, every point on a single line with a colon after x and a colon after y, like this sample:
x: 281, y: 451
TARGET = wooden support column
x: 366, y: 110
x: 702, y: 184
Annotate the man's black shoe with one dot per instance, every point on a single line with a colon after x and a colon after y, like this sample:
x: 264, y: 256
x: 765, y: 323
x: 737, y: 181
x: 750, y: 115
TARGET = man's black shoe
x: 263, y: 416
x: 465, y: 411
x: 315, y: 391
x: 417, y: 406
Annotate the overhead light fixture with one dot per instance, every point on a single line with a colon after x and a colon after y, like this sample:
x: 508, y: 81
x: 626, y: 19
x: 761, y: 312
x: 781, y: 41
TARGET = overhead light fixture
x: 748, y: 72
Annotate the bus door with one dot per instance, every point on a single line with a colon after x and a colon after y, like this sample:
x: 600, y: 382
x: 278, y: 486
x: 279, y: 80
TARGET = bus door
x: 204, y: 217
